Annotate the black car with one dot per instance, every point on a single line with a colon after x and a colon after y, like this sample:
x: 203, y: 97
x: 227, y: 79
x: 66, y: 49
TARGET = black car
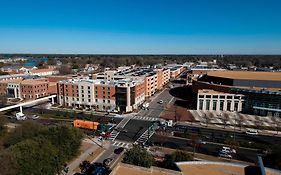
x: 118, y: 150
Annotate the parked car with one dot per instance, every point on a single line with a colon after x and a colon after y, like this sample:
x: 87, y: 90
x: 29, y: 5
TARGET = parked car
x: 228, y: 150
x: 252, y: 132
x: 161, y: 102
x: 34, y: 117
x: 225, y: 155
x: 107, y: 161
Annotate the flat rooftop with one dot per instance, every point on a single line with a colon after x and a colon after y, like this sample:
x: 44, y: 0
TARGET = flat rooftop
x: 126, y: 169
x: 33, y: 82
x: 216, y: 168
x: 210, y: 91
x: 247, y: 75
x: 18, y: 80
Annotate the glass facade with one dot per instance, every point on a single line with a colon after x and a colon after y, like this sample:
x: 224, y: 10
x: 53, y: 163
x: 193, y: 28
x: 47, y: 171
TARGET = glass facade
x: 261, y: 102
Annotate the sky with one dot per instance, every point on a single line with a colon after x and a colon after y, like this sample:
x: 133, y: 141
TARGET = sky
x: 140, y: 26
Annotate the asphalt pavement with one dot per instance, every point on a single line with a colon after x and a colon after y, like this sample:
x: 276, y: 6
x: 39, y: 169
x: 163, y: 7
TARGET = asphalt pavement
x: 133, y: 130
x: 243, y: 154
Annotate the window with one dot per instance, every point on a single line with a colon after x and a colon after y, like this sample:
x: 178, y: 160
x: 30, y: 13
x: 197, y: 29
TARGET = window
x: 200, y: 104
x: 222, y: 96
x: 108, y: 101
x: 229, y: 97
x: 221, y: 105
x: 208, y: 96
x: 89, y: 100
x: 96, y: 100
x: 236, y: 106
x: 201, y: 96
x: 89, y: 92
x: 103, y: 101
x: 214, y: 105
x: 89, y: 96
x: 82, y: 87
x: 228, y: 105
x: 108, y: 88
x: 89, y: 87
x: 215, y: 96
x: 207, y: 104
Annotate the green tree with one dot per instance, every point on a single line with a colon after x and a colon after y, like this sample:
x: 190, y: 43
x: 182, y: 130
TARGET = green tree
x: 28, y: 129
x: 35, y: 156
x: 138, y: 156
x: 177, y: 156
x: 67, y: 139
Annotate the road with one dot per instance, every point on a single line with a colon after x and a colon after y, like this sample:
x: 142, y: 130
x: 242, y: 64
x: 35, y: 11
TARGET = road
x: 222, y: 134
x: 155, y: 108
x: 248, y: 155
x: 134, y: 130
x: 109, y: 154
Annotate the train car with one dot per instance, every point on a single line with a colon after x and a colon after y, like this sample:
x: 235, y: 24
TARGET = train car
x: 85, y: 124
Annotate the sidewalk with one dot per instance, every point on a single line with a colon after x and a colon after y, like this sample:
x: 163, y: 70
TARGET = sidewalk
x: 83, y: 156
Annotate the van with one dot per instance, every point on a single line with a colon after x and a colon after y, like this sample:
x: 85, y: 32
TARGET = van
x: 20, y: 116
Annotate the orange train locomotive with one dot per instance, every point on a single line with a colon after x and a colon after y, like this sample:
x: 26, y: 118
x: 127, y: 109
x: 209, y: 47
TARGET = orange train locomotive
x: 85, y: 124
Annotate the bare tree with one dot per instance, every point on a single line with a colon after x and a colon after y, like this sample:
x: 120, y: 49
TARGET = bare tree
x: 207, y: 119
x: 224, y: 119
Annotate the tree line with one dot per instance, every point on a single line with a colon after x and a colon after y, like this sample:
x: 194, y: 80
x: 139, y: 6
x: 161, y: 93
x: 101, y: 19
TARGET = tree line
x: 142, y: 60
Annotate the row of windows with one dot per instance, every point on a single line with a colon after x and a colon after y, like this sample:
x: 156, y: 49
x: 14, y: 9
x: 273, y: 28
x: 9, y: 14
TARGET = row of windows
x: 220, y: 96
x: 89, y: 100
x: 24, y: 91
x: 221, y: 105
x: 42, y: 85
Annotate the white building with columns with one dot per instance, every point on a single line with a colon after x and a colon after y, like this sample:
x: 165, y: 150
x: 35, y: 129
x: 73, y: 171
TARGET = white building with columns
x: 210, y: 100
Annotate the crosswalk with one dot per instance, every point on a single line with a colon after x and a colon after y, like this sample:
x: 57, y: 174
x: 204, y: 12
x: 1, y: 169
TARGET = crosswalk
x: 145, y: 118
x: 122, y: 124
x: 146, y: 135
x: 122, y: 144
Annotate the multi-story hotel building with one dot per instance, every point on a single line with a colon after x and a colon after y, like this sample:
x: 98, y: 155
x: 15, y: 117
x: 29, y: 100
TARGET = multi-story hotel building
x: 151, y: 83
x: 163, y: 77
x: 101, y: 95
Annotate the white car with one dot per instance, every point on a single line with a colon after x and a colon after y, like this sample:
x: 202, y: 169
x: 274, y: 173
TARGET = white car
x: 225, y: 155
x: 252, y: 132
x: 34, y: 117
x: 228, y: 150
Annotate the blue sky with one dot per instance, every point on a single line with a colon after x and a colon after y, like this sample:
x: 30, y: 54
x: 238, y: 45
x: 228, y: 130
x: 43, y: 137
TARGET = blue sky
x: 141, y: 26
